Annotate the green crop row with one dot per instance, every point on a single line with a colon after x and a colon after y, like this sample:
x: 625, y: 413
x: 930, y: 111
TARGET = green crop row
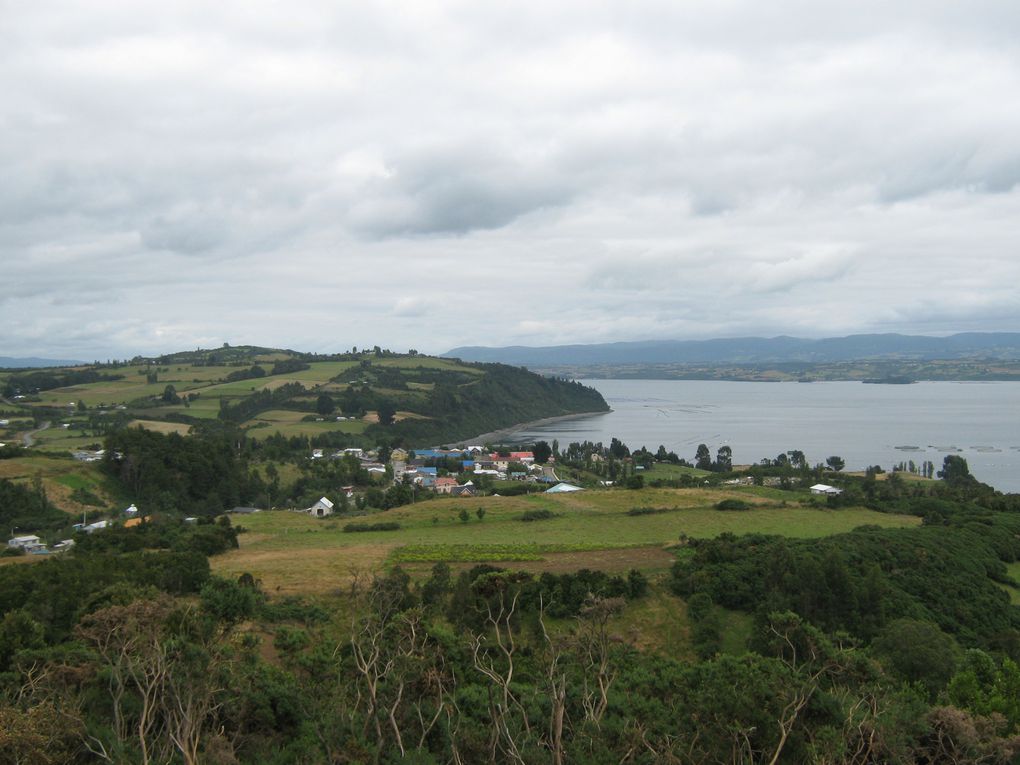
x: 467, y: 553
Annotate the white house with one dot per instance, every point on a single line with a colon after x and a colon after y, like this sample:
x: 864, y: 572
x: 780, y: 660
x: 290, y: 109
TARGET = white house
x: 321, y: 509
x: 26, y: 543
x: 821, y: 488
x: 131, y: 511
x: 94, y: 527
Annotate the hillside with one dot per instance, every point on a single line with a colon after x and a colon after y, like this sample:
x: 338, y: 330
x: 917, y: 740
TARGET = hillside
x: 350, y: 399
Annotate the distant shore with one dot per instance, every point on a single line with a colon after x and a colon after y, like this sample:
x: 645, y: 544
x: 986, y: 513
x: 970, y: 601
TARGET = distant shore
x: 498, y: 435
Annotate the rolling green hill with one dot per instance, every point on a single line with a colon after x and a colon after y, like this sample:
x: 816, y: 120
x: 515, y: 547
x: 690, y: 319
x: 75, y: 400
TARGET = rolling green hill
x: 355, y: 398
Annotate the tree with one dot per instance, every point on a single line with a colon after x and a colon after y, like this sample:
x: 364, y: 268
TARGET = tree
x: 324, y: 404
x: 386, y: 413
x: 542, y: 452
x: 955, y: 471
x: 703, y: 458
x: 618, y: 449
x: 918, y: 652
x: 835, y: 463
x: 724, y: 458
x: 463, y: 515
x: 170, y: 395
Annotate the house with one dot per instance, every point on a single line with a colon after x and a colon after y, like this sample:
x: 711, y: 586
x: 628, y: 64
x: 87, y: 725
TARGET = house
x: 444, y: 484
x: 132, y: 522
x: 191, y: 520
x: 821, y: 488
x: 467, y: 490
x: 243, y: 510
x: 63, y: 545
x: 27, y: 543
x: 131, y: 511
x: 321, y: 509
x: 353, y: 452
x: 560, y: 488
x: 94, y: 527
x: 525, y: 458
x: 316, y: 454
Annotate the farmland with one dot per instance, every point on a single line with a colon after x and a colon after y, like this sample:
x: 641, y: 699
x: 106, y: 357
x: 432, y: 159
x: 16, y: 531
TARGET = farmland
x: 297, y: 553
x: 268, y: 391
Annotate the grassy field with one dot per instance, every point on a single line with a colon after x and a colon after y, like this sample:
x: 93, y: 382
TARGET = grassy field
x: 295, y: 552
x: 60, y: 476
x: 162, y: 427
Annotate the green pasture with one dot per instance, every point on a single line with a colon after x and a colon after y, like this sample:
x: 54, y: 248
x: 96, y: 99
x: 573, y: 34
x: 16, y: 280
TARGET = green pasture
x: 260, y: 428
x: 298, y: 552
x: 667, y: 471
x: 426, y: 363
x: 60, y: 440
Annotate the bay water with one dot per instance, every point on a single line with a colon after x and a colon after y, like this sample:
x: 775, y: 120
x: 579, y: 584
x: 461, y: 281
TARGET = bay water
x: 865, y: 424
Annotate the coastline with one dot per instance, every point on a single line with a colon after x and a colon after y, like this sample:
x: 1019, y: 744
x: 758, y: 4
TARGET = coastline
x: 498, y: 435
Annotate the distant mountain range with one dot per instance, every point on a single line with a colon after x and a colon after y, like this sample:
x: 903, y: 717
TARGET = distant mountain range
x: 12, y: 362
x: 757, y: 350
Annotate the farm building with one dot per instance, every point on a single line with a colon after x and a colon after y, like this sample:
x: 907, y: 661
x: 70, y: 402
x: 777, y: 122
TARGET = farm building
x: 321, y: 509
x: 821, y: 488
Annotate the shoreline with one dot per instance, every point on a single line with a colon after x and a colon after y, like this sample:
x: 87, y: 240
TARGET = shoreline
x: 496, y: 436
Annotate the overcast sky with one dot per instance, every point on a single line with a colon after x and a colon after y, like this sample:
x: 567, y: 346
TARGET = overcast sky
x: 318, y: 175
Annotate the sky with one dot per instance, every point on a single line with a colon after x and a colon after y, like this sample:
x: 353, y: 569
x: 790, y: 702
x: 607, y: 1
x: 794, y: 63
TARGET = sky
x: 321, y: 175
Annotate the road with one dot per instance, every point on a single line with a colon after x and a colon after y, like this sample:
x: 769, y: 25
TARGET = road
x: 28, y: 439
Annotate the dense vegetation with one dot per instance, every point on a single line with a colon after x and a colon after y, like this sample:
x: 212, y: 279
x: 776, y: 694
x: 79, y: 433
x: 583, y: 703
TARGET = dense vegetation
x: 873, y: 646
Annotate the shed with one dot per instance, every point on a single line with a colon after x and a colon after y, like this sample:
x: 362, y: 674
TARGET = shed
x: 321, y: 509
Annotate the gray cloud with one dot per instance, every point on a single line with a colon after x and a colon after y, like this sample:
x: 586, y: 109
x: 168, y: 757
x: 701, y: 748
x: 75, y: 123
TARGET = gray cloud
x: 326, y: 174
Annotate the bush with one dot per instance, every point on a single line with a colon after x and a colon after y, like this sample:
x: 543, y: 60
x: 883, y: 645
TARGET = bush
x: 732, y: 504
x: 356, y: 527
x: 650, y: 510
x: 537, y: 515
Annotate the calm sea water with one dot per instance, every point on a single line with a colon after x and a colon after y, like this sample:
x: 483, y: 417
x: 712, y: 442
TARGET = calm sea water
x: 864, y: 424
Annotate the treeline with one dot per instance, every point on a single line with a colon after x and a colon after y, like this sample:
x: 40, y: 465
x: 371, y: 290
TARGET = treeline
x: 259, y: 401
x: 859, y: 582
x: 199, y: 475
x: 27, y: 509
x: 48, y: 379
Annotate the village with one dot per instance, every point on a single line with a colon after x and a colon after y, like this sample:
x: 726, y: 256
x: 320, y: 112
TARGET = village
x: 436, y: 469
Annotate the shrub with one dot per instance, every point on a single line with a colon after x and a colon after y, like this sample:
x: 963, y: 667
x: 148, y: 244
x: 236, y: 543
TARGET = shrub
x: 387, y: 526
x: 732, y: 504
x: 537, y: 515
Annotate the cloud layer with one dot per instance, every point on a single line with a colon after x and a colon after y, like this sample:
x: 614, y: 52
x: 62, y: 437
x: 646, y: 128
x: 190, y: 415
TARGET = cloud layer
x: 319, y: 175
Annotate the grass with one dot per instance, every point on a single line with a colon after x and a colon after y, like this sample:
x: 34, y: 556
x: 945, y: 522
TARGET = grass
x: 1014, y: 592
x: 297, y: 552
x: 263, y: 429
x: 162, y: 427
